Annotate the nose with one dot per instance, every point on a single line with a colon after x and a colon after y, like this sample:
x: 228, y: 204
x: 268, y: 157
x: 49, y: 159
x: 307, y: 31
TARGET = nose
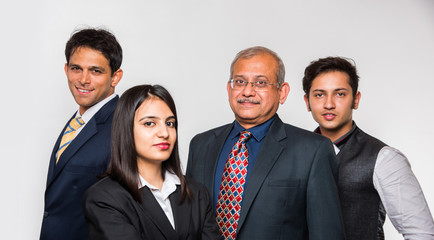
x: 163, y: 132
x: 329, y: 103
x: 84, y: 78
x: 249, y: 90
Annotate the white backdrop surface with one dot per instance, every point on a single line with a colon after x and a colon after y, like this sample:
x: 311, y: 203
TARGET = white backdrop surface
x: 187, y: 46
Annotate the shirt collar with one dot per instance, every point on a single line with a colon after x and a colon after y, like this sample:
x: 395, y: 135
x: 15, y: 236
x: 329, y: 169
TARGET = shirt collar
x: 169, y: 179
x: 340, y: 141
x: 258, y: 132
x: 94, y: 109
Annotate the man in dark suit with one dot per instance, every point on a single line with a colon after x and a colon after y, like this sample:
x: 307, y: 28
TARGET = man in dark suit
x: 82, y: 151
x: 282, y: 186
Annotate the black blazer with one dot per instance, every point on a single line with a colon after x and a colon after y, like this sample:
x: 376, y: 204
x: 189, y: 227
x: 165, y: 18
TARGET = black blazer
x: 291, y: 192
x: 112, y: 213
x: 86, y: 157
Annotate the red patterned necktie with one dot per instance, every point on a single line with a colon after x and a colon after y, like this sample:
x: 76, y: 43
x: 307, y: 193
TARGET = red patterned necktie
x: 232, y: 187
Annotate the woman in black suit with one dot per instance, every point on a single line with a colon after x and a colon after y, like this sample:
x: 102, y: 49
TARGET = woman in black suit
x: 144, y: 194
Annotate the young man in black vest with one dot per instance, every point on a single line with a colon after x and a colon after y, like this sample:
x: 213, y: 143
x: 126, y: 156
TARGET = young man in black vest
x: 373, y: 177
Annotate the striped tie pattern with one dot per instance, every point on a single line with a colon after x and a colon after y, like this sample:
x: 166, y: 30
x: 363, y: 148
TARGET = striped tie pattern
x: 68, y: 135
x: 232, y: 187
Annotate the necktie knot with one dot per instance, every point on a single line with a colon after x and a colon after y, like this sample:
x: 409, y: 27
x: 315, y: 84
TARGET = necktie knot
x: 245, y: 136
x: 76, y: 123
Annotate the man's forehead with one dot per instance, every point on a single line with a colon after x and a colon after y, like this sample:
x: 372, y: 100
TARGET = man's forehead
x: 319, y: 89
x: 250, y: 75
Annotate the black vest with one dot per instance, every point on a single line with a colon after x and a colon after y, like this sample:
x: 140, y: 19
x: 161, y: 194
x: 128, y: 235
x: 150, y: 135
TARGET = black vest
x: 362, y: 210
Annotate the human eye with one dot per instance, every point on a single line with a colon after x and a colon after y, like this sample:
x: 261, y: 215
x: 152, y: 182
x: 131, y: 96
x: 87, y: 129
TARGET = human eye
x: 340, y: 94
x: 149, y: 123
x: 74, y: 68
x: 240, y: 82
x: 97, y: 71
x: 170, y: 124
x: 318, y: 95
x: 261, y: 83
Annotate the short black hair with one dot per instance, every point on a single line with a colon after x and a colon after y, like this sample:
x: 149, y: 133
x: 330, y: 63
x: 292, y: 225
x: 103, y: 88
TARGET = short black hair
x: 97, y: 39
x: 330, y: 64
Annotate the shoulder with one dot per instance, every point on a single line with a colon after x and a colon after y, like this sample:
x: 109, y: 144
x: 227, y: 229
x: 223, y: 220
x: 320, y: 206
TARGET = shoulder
x: 193, y: 184
x: 298, y: 143
x: 371, y: 138
x: 105, y: 189
x: 214, y: 131
x: 302, y: 136
x: 389, y: 158
x: 211, y: 133
x: 105, y: 113
x: 197, y: 188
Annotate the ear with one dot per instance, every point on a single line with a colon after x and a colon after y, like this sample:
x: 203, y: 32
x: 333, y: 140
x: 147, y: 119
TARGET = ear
x: 116, y: 78
x: 357, y: 100
x: 228, y: 88
x: 283, y: 91
x: 306, y: 100
x: 66, y: 68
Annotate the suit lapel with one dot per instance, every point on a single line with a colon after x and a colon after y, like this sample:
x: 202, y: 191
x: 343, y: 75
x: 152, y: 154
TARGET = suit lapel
x: 181, y: 213
x: 212, y: 156
x: 89, y: 130
x: 151, y: 208
x: 270, y: 150
x: 52, y: 163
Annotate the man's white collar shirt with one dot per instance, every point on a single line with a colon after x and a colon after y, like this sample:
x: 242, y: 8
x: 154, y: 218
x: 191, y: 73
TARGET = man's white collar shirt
x: 91, y: 112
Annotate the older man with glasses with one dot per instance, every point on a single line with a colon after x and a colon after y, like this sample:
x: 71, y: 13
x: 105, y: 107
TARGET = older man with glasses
x: 267, y: 179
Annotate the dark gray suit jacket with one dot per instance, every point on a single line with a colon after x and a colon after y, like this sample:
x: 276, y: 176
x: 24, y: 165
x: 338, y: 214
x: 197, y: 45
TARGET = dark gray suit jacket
x: 86, y: 157
x: 112, y: 213
x: 291, y: 192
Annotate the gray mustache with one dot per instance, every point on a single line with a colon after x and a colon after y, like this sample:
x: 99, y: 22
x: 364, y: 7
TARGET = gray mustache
x: 248, y: 100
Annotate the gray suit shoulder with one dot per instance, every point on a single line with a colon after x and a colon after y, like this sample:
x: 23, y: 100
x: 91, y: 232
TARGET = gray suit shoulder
x: 212, y: 132
x: 303, y: 134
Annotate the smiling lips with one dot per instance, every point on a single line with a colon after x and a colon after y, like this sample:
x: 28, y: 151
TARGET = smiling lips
x: 84, y: 91
x: 163, y: 145
x: 329, y: 116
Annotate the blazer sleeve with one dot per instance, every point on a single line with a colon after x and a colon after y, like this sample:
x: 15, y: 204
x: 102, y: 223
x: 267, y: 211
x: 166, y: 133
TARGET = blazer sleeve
x: 105, y: 217
x: 323, y: 208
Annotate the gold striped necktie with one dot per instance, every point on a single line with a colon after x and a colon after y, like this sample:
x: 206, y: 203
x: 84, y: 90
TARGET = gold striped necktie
x: 68, y: 135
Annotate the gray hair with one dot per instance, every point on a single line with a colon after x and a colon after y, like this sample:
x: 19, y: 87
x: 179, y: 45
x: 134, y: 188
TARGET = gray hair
x: 254, y: 51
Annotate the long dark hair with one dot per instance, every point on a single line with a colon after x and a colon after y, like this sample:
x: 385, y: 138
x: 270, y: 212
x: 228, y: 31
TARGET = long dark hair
x: 123, y: 165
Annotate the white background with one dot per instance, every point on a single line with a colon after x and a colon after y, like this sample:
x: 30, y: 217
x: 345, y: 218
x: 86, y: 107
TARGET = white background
x: 187, y: 46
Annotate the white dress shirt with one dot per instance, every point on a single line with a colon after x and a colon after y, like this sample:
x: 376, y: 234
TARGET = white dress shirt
x: 162, y: 197
x: 91, y: 112
x: 401, y: 195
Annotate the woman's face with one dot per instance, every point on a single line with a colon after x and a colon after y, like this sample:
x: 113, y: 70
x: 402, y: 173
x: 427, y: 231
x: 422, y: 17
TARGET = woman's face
x: 154, y: 131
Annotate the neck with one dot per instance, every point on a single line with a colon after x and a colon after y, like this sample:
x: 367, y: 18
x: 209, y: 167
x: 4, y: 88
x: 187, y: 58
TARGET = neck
x: 151, y: 173
x: 334, y: 135
x: 331, y: 135
x: 247, y: 125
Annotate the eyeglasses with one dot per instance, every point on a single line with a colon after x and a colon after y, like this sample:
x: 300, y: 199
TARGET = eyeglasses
x: 259, y: 85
